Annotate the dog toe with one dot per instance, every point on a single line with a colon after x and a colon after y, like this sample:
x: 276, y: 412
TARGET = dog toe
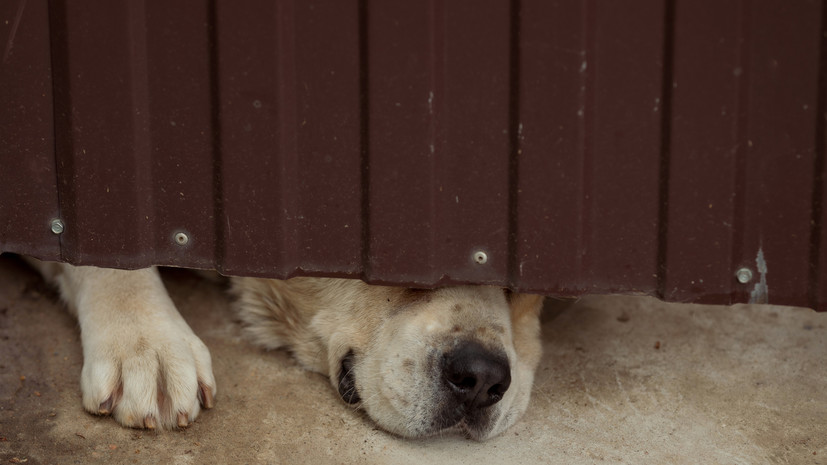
x: 106, y: 407
x: 205, y: 396
x: 160, y: 382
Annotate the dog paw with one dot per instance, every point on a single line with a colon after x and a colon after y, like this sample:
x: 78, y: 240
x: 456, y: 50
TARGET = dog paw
x: 142, y: 364
x: 155, y: 375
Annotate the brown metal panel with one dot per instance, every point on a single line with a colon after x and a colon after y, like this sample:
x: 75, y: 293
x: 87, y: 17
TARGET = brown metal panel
x: 818, y: 291
x: 590, y: 91
x: 28, y: 196
x: 288, y: 88
x: 406, y: 89
x: 133, y: 148
x: 818, y: 263
x: 551, y: 93
x: 620, y: 182
x: 707, y: 77
x: 249, y: 55
x: 817, y: 294
x: 742, y: 151
x: 438, y: 173
x: 582, y: 146
x: 102, y: 152
x: 172, y: 94
x: 779, y: 150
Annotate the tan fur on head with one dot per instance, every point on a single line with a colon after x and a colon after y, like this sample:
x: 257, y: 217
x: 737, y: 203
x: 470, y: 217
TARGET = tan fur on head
x: 388, y: 347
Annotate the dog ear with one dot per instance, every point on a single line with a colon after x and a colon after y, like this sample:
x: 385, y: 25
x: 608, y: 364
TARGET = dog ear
x: 524, y: 305
x: 525, y: 324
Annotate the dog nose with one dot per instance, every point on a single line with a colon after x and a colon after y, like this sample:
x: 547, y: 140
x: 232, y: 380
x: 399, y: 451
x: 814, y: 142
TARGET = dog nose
x: 477, y: 376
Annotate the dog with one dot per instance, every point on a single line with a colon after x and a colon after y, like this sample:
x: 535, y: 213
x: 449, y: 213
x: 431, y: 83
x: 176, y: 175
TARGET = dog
x: 419, y: 362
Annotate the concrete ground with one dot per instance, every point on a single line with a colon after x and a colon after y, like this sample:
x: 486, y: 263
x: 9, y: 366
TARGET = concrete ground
x: 623, y: 380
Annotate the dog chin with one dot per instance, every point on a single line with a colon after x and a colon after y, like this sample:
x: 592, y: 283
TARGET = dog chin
x: 470, y: 426
x: 479, y: 427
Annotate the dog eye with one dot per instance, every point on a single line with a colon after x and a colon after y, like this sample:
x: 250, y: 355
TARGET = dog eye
x: 507, y: 293
x: 413, y: 294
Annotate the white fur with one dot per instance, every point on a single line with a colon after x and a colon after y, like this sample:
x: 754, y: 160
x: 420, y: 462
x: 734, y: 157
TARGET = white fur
x: 143, y: 364
x: 141, y: 361
x: 395, y: 336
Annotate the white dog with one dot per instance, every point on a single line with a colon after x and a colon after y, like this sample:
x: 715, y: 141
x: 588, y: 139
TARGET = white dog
x: 419, y: 362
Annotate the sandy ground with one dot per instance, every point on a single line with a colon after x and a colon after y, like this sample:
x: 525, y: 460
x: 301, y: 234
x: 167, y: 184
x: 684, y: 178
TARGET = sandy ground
x: 623, y: 380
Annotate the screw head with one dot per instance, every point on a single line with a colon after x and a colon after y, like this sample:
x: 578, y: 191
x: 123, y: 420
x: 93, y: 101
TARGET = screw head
x: 743, y: 275
x: 480, y: 257
x: 57, y: 226
x: 181, y: 238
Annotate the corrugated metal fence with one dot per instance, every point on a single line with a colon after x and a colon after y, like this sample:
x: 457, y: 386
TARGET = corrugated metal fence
x: 674, y: 148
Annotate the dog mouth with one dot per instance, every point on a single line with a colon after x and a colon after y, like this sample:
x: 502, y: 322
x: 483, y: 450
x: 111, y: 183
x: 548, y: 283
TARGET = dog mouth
x: 466, y: 384
x: 347, y: 380
x: 473, y: 424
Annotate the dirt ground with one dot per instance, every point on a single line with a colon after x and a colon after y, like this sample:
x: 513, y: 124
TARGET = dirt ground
x: 623, y: 380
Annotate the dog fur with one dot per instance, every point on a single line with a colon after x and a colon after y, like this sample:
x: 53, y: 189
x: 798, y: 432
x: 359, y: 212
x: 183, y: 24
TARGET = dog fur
x: 419, y: 362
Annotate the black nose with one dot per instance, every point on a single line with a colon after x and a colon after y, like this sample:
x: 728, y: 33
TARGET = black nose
x: 477, y: 376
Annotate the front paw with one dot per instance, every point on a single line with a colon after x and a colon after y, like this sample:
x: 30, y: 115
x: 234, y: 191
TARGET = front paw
x: 157, y: 375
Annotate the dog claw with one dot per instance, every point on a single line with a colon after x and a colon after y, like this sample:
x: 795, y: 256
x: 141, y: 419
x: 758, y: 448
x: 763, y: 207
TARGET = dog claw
x: 105, y: 407
x: 183, y: 420
x: 149, y: 422
x: 205, y: 395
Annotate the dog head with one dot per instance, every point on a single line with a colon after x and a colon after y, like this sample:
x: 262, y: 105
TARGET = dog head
x: 419, y: 362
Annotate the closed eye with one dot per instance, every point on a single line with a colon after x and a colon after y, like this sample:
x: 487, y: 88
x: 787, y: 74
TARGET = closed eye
x: 508, y: 294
